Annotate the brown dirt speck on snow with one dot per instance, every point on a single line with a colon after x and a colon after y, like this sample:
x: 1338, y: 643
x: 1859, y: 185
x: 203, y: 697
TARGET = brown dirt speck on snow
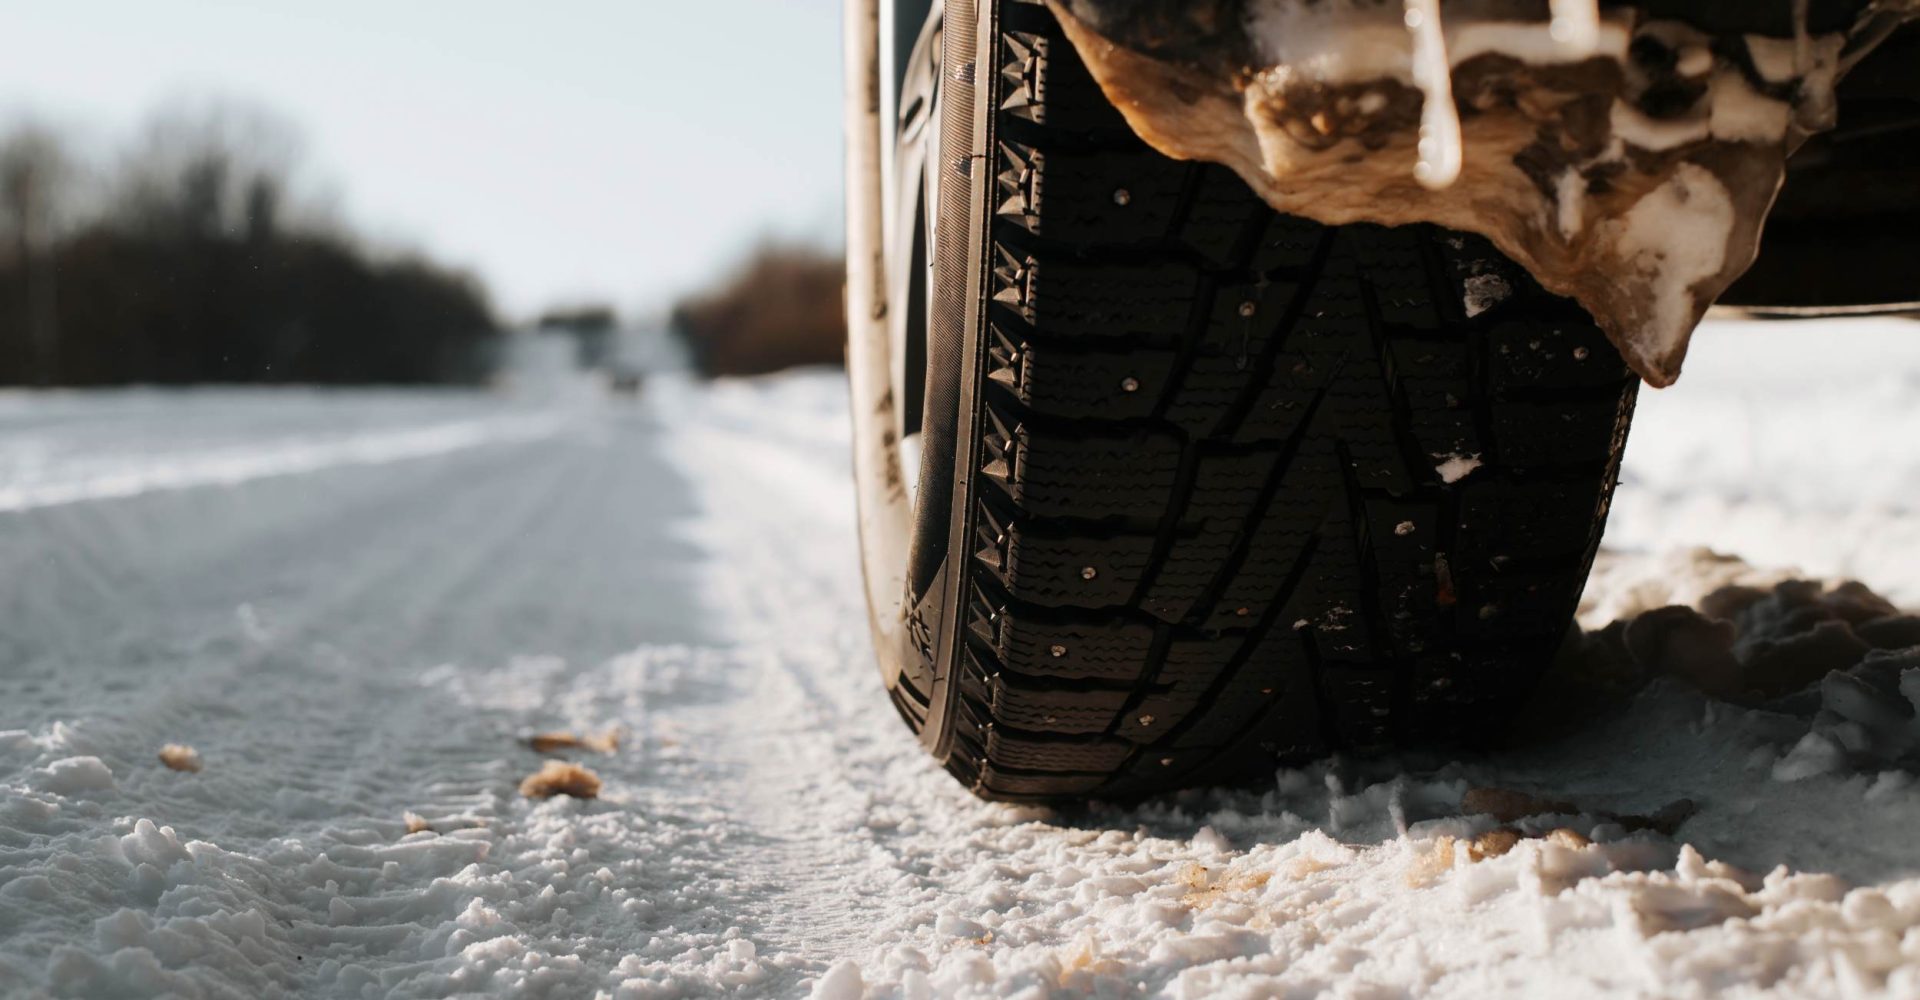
x: 607, y: 742
x: 1493, y: 843
x: 559, y: 777
x: 180, y: 757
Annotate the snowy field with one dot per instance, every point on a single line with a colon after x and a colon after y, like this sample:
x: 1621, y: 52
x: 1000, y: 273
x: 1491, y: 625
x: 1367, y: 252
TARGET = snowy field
x: 357, y: 606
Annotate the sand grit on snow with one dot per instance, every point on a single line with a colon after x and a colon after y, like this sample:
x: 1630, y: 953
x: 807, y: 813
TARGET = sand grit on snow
x: 359, y: 644
x: 560, y: 777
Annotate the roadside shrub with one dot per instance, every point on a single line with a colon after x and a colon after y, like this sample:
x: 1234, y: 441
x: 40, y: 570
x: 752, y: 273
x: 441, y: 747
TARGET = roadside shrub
x: 781, y: 308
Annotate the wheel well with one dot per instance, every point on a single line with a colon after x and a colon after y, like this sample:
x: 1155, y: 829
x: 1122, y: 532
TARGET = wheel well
x: 1844, y: 229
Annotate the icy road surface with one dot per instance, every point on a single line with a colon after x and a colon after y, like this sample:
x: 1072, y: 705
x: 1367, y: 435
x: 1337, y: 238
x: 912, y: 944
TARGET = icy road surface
x: 355, y: 606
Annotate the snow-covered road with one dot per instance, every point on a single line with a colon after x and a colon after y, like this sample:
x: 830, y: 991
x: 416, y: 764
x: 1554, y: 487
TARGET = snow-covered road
x: 356, y: 607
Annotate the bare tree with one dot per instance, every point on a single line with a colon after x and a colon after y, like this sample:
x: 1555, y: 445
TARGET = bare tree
x: 35, y: 175
x: 205, y: 169
x: 197, y: 257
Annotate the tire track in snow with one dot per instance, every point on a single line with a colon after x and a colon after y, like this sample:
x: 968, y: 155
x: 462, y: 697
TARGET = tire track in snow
x: 832, y: 782
x: 317, y: 718
x: 780, y: 578
x: 122, y: 478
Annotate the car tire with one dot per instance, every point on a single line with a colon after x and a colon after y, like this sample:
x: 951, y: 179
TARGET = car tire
x: 1205, y: 488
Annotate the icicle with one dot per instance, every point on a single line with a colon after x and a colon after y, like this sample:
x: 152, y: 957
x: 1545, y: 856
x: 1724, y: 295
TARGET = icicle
x: 1802, y: 41
x: 1440, y: 153
x: 1815, y: 107
x: 1575, y: 25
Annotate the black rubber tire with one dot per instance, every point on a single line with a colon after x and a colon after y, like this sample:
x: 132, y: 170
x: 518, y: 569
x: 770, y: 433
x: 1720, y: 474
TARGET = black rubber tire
x: 1206, y: 527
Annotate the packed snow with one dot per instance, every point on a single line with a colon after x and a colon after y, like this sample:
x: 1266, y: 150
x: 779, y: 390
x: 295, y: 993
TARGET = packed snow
x: 355, y: 611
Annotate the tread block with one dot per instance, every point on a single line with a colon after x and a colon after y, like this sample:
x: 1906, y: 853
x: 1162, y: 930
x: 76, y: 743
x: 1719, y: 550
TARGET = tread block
x: 1557, y: 434
x: 1308, y: 492
x: 1527, y: 520
x: 1287, y: 729
x: 1223, y: 218
x: 1435, y: 380
x: 1192, y: 665
x: 1327, y: 606
x: 1061, y: 569
x: 1046, y: 83
x: 1106, y: 649
x: 1243, y: 323
x: 1397, y: 274
x: 1159, y: 766
x: 1403, y: 539
x: 1144, y: 303
x: 1283, y: 725
x: 1452, y: 691
x: 1058, y: 473
x: 1092, y: 198
x: 1035, y: 705
x: 1053, y: 754
x: 1225, y: 490
x: 1156, y: 715
x: 1291, y: 395
x: 1288, y: 243
x: 1365, y: 696
x: 998, y: 782
x: 1241, y: 695
x: 1057, y: 381
x: 1497, y: 605
x: 1195, y: 558
x: 1365, y: 426
x: 1552, y: 356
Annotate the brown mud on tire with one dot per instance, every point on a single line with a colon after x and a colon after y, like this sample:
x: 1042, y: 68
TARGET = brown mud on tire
x: 1629, y: 166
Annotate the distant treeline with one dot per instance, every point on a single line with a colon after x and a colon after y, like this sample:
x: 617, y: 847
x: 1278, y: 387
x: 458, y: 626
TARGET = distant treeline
x: 782, y: 307
x: 191, y: 263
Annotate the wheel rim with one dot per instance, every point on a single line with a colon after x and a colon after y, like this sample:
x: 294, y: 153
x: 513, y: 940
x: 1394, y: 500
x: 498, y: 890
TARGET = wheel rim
x: 885, y: 339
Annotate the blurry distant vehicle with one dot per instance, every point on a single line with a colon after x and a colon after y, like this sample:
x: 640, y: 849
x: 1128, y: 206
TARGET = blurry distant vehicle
x: 592, y: 328
x: 1160, y: 485
x: 625, y: 380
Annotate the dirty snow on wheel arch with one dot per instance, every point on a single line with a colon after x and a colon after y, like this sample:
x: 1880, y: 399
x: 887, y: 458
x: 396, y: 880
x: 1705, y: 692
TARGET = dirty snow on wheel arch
x: 371, y: 628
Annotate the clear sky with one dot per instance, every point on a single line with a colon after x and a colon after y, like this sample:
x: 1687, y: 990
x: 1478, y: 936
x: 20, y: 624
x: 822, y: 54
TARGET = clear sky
x: 562, y: 150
